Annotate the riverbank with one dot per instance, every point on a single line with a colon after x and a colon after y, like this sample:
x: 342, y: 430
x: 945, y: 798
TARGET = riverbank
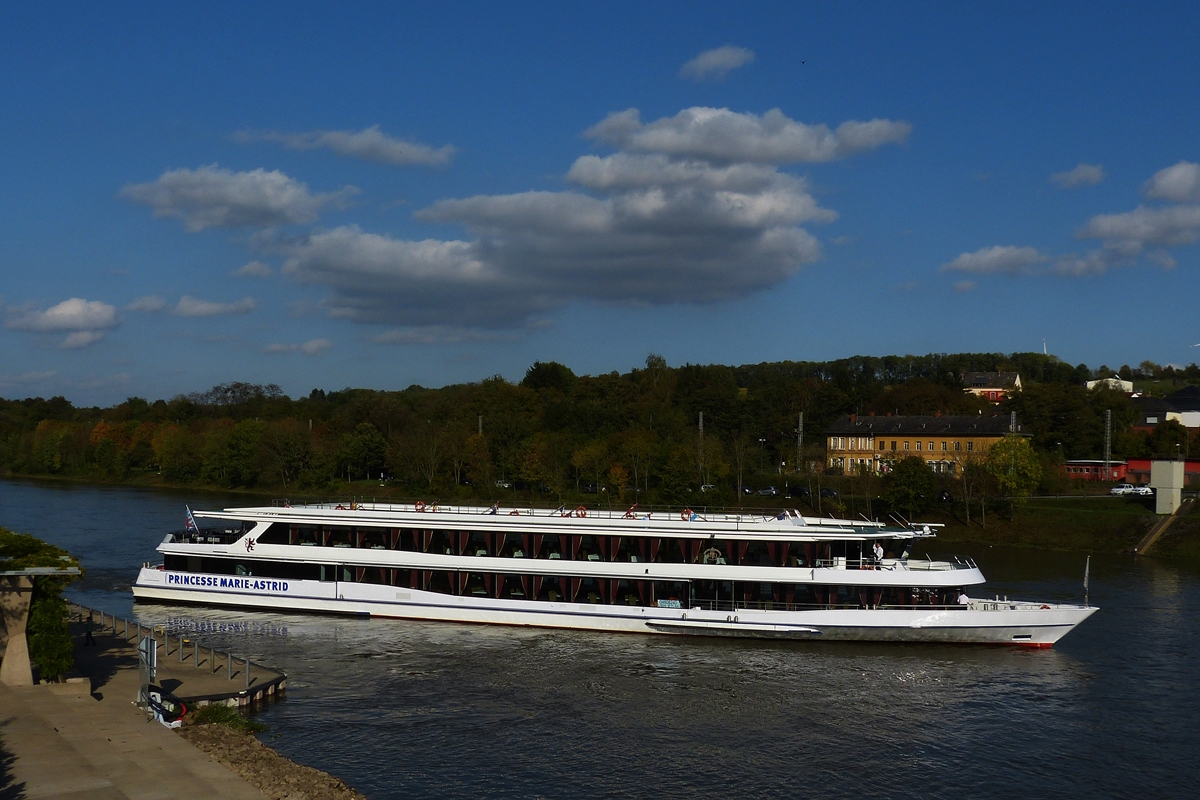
x: 275, y: 776
x: 86, y: 737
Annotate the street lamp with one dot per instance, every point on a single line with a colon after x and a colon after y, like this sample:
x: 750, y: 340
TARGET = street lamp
x: 762, y: 454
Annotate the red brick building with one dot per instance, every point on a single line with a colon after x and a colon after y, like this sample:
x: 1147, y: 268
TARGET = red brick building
x: 1092, y: 469
x: 1138, y: 471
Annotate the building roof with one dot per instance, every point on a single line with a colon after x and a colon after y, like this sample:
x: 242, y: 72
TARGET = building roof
x: 992, y: 380
x: 1186, y: 399
x: 1151, y: 404
x: 967, y: 425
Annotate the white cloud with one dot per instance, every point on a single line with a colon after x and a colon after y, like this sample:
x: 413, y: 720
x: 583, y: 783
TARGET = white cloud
x: 674, y: 225
x: 255, y: 269
x: 316, y: 347
x: 75, y: 314
x: 1082, y: 175
x: 1172, y: 225
x: 964, y: 286
x: 313, y: 347
x: 716, y: 63
x: 81, y: 339
x: 211, y: 197
x: 194, y: 307
x: 25, y: 379
x: 1179, y: 183
x: 149, y: 303
x: 440, y: 334
x: 721, y: 135
x: 1007, y: 259
x: 370, y: 144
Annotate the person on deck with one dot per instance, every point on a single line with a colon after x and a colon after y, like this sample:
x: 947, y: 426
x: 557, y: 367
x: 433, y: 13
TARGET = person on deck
x: 878, y: 551
x: 962, y: 598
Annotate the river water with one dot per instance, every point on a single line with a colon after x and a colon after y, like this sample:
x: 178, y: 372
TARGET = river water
x: 405, y: 709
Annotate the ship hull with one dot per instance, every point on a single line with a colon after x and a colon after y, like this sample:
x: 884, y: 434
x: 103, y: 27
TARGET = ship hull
x: 980, y: 622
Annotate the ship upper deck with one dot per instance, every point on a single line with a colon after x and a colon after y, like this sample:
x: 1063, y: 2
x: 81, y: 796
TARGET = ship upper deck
x: 784, y: 524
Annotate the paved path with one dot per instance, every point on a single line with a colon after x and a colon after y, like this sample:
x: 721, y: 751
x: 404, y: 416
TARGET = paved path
x: 60, y: 740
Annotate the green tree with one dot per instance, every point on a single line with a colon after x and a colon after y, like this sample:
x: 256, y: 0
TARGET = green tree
x: 1015, y: 468
x: 910, y: 485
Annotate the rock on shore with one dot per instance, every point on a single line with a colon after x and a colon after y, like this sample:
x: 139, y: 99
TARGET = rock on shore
x: 259, y: 765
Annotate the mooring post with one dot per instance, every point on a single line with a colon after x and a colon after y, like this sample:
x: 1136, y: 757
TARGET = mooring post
x: 181, y: 643
x: 229, y: 664
x: 247, y: 672
x: 196, y: 653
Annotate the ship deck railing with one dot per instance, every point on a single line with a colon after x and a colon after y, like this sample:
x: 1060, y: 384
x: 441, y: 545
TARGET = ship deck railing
x: 635, y: 512
x: 767, y: 605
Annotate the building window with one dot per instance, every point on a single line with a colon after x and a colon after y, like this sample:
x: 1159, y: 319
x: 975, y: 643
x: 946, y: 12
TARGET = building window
x: 893, y: 445
x: 943, y: 447
x: 918, y: 445
x: 931, y: 447
x: 957, y: 446
x: 1151, y: 420
x: 882, y: 444
x: 970, y: 446
x: 906, y: 445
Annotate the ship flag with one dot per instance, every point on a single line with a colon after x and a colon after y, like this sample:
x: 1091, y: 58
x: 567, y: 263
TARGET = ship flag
x: 190, y: 524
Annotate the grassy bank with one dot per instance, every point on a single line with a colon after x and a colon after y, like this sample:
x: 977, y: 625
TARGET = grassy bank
x: 1092, y: 524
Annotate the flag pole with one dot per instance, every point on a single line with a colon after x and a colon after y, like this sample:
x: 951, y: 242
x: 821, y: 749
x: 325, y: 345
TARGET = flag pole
x: 1087, y: 568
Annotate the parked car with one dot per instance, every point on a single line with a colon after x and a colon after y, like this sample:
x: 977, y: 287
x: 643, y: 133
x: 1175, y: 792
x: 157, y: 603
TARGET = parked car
x: 830, y: 493
x: 708, y: 487
x: 1143, y: 491
x: 768, y: 491
x: 945, y: 497
x: 503, y: 484
x: 747, y: 490
x: 801, y: 492
x: 1121, y: 489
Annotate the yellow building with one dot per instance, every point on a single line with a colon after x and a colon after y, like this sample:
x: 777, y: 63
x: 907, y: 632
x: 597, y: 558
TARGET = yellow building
x: 946, y: 443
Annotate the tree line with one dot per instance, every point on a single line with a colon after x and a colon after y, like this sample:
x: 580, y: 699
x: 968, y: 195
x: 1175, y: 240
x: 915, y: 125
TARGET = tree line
x: 635, y: 436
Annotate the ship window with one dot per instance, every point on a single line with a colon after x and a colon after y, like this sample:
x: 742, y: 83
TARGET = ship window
x: 276, y: 534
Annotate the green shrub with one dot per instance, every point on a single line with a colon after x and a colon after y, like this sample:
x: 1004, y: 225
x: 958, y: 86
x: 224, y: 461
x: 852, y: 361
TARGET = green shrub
x: 227, y: 716
x: 51, y: 650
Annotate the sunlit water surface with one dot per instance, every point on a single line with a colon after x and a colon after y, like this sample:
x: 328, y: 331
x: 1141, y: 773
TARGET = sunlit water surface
x: 407, y: 709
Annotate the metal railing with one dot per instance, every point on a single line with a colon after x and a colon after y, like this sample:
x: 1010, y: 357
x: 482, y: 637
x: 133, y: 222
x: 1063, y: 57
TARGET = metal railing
x: 187, y: 649
x: 767, y: 605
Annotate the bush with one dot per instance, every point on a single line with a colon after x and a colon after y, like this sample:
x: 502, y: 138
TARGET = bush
x: 228, y: 716
x: 51, y: 650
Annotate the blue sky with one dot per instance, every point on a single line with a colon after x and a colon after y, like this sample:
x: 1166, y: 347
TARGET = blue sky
x: 379, y: 195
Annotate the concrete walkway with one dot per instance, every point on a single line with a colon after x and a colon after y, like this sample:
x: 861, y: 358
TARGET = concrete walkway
x: 62, y: 740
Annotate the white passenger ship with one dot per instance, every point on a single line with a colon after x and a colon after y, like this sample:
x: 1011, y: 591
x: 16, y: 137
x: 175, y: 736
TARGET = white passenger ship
x: 711, y: 574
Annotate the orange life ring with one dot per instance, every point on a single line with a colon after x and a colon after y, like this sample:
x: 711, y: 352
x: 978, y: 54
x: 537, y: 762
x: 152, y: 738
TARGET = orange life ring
x: 1045, y: 608
x: 581, y: 511
x: 340, y: 507
x: 420, y: 505
x: 514, y: 513
x: 686, y: 516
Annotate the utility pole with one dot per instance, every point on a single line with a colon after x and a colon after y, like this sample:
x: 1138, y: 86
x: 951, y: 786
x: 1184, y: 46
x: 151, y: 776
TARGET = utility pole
x: 1107, y: 443
x: 700, y: 451
x: 800, y: 441
x: 481, y: 424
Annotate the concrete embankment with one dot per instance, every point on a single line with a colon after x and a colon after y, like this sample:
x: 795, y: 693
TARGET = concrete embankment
x: 86, y: 738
